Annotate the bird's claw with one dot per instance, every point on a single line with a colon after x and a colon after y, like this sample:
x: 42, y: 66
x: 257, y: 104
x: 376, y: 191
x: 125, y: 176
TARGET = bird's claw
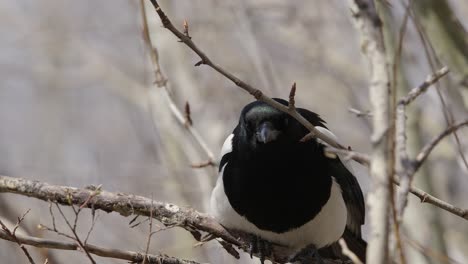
x: 308, y: 254
x: 261, y: 247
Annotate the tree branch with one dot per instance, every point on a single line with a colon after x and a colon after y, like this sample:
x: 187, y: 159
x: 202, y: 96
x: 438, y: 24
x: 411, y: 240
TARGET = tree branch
x: 422, y: 156
x: 134, y: 257
x: 127, y: 204
x: 15, y: 237
x: 430, y: 80
x: 406, y: 167
x: 246, y: 87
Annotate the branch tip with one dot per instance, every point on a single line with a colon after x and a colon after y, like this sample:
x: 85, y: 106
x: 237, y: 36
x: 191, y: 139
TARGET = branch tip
x: 292, y: 94
x: 186, y: 29
x: 188, y: 117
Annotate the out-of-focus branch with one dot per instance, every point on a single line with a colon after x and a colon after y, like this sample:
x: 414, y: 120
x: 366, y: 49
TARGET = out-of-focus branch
x: 248, y: 88
x: 406, y: 167
x: 430, y: 80
x: 369, y: 26
x: 446, y: 33
x: 168, y: 214
x: 134, y: 257
x: 439, y: 7
x: 161, y: 82
x: 422, y: 156
x: 425, y: 197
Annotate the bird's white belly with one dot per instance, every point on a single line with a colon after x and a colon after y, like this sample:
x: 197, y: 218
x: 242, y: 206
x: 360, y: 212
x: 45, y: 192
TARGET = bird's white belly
x: 327, y: 226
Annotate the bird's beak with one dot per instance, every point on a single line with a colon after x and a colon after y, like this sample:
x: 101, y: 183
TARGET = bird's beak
x: 266, y: 132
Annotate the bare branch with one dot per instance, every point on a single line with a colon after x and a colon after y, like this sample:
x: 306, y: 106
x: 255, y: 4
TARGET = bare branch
x: 93, y: 223
x: 203, y: 164
x: 188, y: 115
x: 361, y: 158
x: 422, y: 156
x: 169, y: 215
x: 73, y: 229
x: 422, y: 195
x: 440, y: 257
x: 431, y: 79
x: 246, y: 87
x: 347, y: 252
x: 292, y: 94
x: 428, y: 198
x: 360, y: 113
x: 134, y: 257
x: 150, y: 232
x: 12, y: 236
x: 406, y: 168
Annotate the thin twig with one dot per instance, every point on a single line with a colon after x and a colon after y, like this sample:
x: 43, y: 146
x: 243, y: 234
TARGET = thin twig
x: 422, y: 156
x: 93, y: 223
x: 12, y: 236
x: 441, y: 258
x: 431, y: 55
x: 150, y: 232
x: 406, y: 168
x: 73, y: 229
x: 202, y: 164
x: 360, y: 113
x: 347, y: 252
x: 134, y: 257
x: 430, y: 80
x: 361, y: 158
x: 292, y: 94
x: 188, y: 115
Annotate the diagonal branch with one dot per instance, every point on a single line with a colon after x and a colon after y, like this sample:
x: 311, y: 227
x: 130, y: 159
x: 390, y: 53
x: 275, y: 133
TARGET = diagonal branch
x: 422, y: 156
x: 430, y: 80
x: 166, y: 22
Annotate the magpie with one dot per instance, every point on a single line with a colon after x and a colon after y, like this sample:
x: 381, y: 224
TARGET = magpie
x: 284, y: 190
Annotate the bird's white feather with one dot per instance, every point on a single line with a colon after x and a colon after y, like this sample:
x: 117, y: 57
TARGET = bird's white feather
x: 346, y: 162
x: 227, y: 145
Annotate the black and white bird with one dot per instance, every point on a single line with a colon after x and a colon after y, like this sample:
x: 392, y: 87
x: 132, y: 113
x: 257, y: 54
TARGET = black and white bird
x: 283, y: 190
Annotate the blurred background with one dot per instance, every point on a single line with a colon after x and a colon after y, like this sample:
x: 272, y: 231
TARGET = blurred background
x: 78, y: 106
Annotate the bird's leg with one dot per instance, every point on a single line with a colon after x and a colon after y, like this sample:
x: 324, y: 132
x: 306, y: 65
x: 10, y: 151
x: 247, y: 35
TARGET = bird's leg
x: 261, y: 247
x: 308, y: 254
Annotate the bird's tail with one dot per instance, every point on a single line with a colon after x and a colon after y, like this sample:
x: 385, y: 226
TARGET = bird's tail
x: 355, y: 243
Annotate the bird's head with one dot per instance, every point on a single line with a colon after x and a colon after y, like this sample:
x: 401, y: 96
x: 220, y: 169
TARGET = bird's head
x: 263, y: 126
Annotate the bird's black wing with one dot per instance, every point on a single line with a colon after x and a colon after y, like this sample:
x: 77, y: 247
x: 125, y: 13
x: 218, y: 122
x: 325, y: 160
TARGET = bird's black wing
x: 350, y: 188
x: 352, y: 195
